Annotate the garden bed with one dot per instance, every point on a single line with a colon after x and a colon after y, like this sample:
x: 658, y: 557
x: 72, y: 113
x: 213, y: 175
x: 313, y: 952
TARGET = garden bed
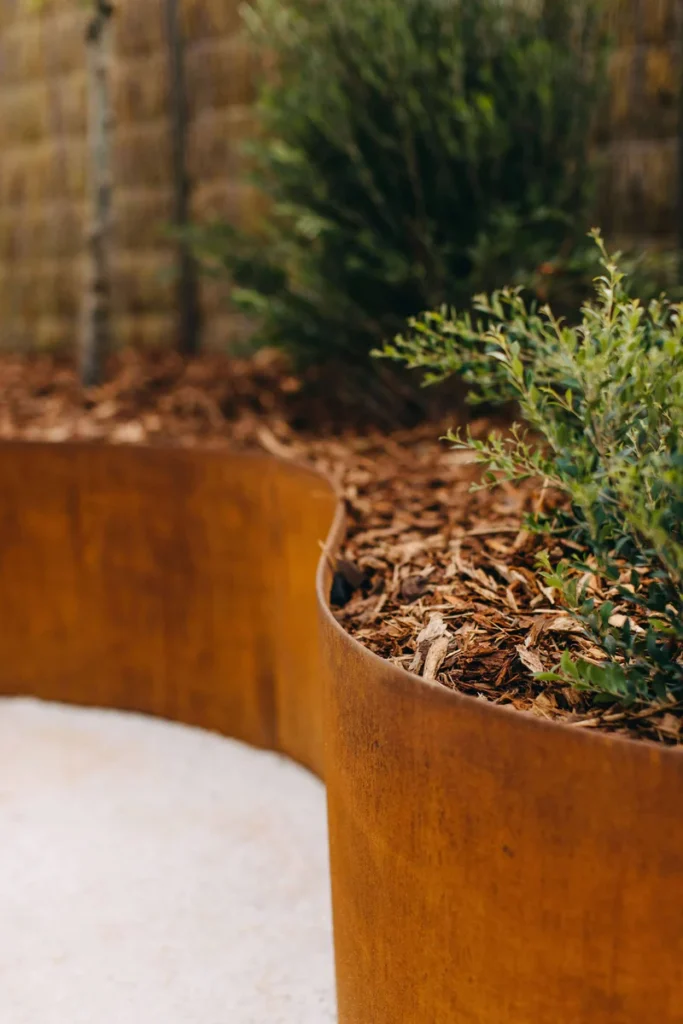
x: 180, y: 583
x: 450, y: 589
x: 445, y: 585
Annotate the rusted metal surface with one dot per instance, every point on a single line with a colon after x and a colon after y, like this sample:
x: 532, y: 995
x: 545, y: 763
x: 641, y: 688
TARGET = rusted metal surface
x: 171, y: 582
x: 487, y: 867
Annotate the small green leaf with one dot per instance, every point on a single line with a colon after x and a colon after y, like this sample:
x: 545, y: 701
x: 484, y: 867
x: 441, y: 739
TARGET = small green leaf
x: 568, y: 666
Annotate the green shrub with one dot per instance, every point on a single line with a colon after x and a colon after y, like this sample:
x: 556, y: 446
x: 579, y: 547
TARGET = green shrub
x: 412, y: 151
x: 604, y: 404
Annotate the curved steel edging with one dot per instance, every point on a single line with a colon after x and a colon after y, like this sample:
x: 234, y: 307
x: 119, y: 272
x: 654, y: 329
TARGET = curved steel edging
x: 487, y: 867
x: 170, y: 581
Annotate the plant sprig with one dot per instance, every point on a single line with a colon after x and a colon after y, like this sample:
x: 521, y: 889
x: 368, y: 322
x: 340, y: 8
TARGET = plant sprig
x: 602, y: 404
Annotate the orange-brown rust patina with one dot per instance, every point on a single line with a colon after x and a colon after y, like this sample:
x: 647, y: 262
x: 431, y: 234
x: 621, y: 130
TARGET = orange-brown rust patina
x: 487, y: 867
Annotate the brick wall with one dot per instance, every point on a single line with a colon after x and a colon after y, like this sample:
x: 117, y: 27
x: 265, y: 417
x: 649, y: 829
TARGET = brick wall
x: 43, y: 159
x: 43, y: 163
x: 639, y: 200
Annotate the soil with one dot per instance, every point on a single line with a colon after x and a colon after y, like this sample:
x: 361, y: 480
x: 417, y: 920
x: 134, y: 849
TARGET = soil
x: 432, y: 577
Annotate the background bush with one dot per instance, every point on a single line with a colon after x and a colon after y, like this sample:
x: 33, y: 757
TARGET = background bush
x: 567, y: 282
x: 413, y: 152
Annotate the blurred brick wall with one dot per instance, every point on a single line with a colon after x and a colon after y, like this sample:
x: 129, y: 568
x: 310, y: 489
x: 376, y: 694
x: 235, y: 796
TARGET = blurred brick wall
x: 43, y: 163
x: 43, y: 158
x: 639, y: 200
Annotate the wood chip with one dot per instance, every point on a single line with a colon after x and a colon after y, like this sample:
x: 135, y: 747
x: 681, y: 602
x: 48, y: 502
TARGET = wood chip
x: 414, y: 587
x: 435, y: 657
x: 669, y: 724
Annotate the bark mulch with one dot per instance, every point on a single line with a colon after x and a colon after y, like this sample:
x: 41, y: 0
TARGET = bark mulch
x: 445, y: 584
x: 432, y: 577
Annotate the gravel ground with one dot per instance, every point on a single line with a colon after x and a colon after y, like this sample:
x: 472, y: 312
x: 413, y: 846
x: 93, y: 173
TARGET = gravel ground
x: 155, y: 874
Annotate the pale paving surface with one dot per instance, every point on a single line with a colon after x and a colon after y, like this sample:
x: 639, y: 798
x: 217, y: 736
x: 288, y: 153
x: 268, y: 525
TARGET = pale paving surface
x: 156, y: 874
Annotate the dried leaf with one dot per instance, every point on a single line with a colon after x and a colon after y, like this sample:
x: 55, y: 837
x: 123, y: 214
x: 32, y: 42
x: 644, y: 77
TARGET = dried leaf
x: 564, y: 624
x: 530, y: 659
x: 618, y: 621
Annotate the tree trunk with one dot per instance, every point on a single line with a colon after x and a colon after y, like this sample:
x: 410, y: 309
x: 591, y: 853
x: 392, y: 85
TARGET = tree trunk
x: 187, y: 294
x: 96, y: 326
